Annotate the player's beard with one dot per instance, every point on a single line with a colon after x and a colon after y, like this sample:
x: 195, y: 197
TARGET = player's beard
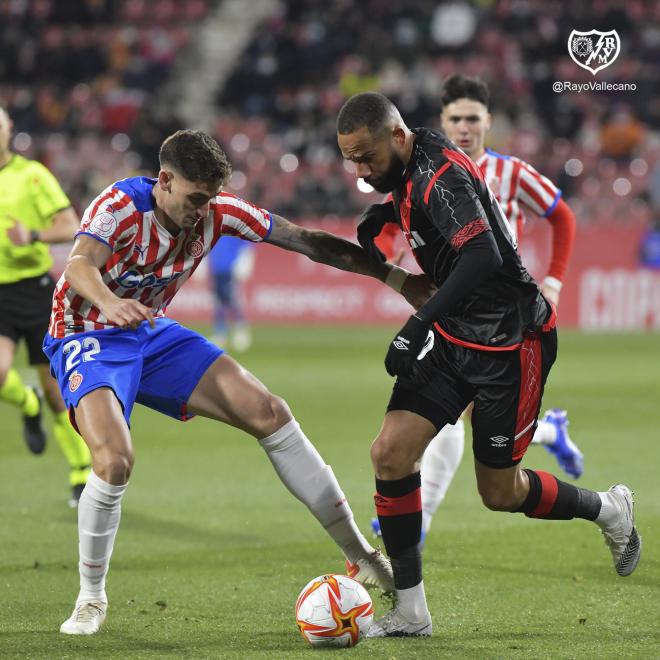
x: 391, y: 179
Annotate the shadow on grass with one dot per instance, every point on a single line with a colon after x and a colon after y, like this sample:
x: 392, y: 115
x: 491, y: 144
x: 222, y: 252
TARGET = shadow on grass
x: 136, y: 520
x: 204, y: 643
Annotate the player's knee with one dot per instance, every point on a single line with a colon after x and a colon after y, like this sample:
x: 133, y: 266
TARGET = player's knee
x: 497, y: 498
x: 389, y: 458
x: 112, y: 465
x: 273, y: 415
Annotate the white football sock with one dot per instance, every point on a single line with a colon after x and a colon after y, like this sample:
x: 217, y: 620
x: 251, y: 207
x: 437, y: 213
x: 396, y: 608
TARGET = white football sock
x: 411, y: 602
x: 439, y: 464
x: 99, y: 511
x: 545, y: 434
x: 303, y: 471
x: 609, y: 510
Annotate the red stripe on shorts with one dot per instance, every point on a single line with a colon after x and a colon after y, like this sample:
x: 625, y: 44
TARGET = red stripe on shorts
x: 529, y: 399
x: 399, y: 506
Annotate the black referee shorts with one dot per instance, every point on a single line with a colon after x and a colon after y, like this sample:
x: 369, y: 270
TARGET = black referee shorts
x: 25, y: 308
x: 506, y: 387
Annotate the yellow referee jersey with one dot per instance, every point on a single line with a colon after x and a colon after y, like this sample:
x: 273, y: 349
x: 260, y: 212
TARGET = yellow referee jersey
x: 30, y: 194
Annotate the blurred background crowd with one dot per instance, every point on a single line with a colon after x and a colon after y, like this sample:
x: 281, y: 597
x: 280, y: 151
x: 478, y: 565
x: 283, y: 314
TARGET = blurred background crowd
x: 82, y: 82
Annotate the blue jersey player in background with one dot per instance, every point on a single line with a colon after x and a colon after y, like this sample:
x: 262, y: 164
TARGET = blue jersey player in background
x: 232, y: 263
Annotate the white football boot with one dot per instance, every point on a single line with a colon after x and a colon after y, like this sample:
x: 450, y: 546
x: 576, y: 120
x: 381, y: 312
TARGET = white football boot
x: 621, y: 535
x: 394, y: 624
x: 375, y: 570
x: 87, y: 618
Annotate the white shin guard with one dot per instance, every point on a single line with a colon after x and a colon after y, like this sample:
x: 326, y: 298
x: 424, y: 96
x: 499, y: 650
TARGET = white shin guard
x: 439, y: 464
x: 99, y: 511
x: 304, y: 472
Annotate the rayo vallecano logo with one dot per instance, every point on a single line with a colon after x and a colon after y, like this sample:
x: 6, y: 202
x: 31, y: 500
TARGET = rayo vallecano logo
x: 594, y: 50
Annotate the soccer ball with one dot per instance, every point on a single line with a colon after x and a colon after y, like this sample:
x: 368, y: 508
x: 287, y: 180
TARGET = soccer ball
x: 334, y: 611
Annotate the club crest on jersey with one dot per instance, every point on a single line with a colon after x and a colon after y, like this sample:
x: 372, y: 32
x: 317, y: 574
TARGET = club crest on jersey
x: 195, y: 248
x: 75, y: 379
x: 103, y: 224
x: 594, y: 50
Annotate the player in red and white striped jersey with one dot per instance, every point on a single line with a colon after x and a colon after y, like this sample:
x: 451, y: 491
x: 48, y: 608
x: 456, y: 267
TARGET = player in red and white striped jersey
x: 110, y: 346
x: 148, y: 263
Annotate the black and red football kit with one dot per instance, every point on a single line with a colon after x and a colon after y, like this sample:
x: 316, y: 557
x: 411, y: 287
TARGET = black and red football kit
x: 487, y: 335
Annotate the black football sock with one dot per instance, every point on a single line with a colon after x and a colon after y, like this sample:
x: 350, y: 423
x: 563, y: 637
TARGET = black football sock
x: 399, y: 508
x: 556, y: 500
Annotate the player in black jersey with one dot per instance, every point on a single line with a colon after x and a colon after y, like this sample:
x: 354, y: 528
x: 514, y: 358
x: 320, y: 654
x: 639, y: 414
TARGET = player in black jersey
x: 487, y: 335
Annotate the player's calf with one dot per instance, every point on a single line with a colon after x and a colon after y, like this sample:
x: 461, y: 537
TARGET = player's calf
x: 612, y: 511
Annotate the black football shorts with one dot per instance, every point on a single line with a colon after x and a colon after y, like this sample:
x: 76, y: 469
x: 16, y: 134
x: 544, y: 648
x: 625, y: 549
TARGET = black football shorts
x: 25, y: 308
x: 506, y: 387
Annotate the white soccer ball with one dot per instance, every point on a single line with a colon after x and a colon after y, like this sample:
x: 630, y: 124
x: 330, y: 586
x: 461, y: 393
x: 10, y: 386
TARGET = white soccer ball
x: 334, y: 611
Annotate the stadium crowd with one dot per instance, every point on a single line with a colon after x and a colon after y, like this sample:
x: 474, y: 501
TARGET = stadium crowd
x: 77, y: 81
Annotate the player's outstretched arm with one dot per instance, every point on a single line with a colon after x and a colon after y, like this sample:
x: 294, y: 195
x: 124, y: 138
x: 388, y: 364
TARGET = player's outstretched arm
x: 83, y: 274
x: 326, y: 248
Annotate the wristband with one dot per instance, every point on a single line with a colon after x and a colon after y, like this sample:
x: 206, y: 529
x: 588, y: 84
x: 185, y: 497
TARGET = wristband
x: 34, y: 236
x: 396, y: 277
x: 552, y: 282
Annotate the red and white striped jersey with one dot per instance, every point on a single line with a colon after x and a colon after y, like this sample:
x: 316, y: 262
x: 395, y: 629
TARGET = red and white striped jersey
x: 148, y: 263
x: 516, y: 184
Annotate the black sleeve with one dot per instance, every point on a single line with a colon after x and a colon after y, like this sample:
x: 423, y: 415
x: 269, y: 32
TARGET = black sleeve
x: 478, y: 259
x: 452, y: 204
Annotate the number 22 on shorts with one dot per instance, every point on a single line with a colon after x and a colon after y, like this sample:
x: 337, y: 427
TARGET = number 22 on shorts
x: 89, y: 346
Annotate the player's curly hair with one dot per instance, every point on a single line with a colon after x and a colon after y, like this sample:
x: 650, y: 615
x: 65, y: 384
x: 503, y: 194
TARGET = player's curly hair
x: 368, y: 109
x: 196, y: 156
x: 461, y: 87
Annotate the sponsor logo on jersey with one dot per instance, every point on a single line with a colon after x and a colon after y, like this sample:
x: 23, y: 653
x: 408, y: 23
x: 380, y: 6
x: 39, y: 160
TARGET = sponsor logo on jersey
x: 415, y: 240
x: 75, y: 379
x: 131, y: 279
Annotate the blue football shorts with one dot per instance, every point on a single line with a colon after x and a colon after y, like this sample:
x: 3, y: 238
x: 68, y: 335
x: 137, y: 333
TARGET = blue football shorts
x: 157, y: 367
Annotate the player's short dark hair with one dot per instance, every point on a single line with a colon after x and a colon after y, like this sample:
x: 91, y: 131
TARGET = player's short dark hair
x: 368, y: 109
x: 461, y: 87
x: 196, y: 156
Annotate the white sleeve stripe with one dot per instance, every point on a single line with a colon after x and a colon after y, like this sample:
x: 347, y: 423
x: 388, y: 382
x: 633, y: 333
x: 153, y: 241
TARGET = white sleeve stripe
x: 539, y: 183
x: 241, y: 228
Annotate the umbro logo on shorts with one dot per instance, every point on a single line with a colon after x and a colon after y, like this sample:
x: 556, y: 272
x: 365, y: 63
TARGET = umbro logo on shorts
x: 499, y: 441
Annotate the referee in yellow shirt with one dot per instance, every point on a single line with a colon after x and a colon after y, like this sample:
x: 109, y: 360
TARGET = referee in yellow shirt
x: 34, y: 212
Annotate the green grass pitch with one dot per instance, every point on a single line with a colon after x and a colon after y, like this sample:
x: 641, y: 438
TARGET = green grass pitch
x: 212, y: 550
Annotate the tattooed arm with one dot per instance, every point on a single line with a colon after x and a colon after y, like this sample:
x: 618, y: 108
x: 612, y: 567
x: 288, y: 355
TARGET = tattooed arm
x: 328, y: 249
x: 325, y: 248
